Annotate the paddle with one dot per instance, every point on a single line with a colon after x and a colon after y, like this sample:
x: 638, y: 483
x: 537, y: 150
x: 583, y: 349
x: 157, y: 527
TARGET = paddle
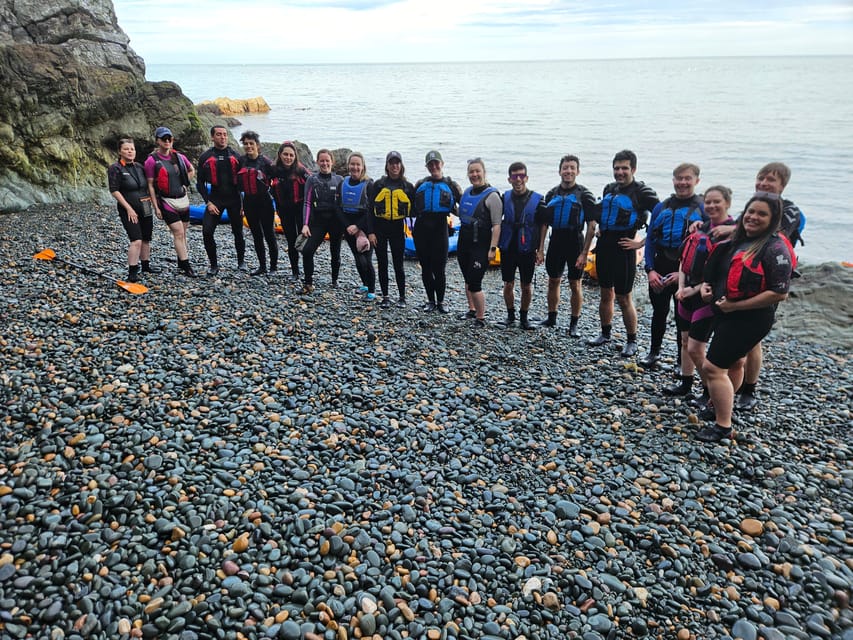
x: 132, y: 287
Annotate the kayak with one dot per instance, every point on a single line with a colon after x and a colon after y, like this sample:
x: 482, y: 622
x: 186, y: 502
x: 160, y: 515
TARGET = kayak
x: 197, y: 217
x: 452, y: 239
x: 197, y: 214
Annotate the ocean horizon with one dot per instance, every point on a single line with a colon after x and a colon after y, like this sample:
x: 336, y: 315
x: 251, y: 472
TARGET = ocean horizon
x: 729, y: 115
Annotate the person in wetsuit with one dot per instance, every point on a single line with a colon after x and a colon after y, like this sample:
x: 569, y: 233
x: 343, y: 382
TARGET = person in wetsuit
x: 436, y: 197
x: 320, y: 217
x: 253, y: 178
x: 391, y: 199
x: 169, y: 174
x: 745, y: 279
x: 480, y: 212
x: 356, y: 217
x: 523, y: 213
x: 217, y: 184
x: 624, y: 210
x: 668, y: 227
x: 570, y: 206
x: 129, y: 187
x: 288, y: 187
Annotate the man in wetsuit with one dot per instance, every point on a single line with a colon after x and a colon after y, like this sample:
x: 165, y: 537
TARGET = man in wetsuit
x: 668, y: 228
x: 217, y: 184
x: 523, y: 213
x: 569, y: 207
x: 624, y: 209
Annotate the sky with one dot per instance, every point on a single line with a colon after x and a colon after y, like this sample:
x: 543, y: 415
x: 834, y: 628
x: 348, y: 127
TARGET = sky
x: 370, y: 31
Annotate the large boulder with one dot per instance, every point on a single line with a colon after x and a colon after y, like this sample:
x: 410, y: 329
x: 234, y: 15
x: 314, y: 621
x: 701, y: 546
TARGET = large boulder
x: 233, y: 107
x: 70, y: 87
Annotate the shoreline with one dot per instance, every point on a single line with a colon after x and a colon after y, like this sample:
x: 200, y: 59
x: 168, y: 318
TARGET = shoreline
x: 219, y: 457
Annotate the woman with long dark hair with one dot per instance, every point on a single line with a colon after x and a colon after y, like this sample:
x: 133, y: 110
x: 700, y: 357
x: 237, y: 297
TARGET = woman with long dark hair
x: 745, y: 278
x: 288, y: 185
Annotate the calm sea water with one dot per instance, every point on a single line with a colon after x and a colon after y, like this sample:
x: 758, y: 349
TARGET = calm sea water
x: 728, y: 115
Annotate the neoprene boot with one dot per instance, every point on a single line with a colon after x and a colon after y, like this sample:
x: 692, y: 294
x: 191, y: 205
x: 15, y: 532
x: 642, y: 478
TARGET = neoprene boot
x: 133, y: 273
x: 602, y: 339
x: 550, y: 321
x: 147, y: 268
x: 680, y: 389
x: 510, y: 318
x: 574, y: 332
x: 523, y: 321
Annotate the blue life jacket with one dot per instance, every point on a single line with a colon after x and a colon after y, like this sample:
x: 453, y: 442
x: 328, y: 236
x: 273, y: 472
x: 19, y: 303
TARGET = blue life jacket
x: 435, y: 197
x: 670, y: 225
x: 568, y: 210
x: 354, y: 197
x: 525, y: 222
x: 472, y: 209
x: 619, y: 213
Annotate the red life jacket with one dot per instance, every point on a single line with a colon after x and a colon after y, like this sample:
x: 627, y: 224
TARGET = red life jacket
x: 746, y: 276
x: 297, y: 184
x: 252, y: 181
x: 221, y: 170
x: 170, y: 176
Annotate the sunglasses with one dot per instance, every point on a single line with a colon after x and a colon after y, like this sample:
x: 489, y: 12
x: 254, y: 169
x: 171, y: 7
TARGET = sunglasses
x: 517, y: 176
x: 166, y: 138
x: 767, y: 195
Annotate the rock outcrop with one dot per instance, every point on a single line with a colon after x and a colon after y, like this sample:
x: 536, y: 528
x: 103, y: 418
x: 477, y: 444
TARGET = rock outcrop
x: 233, y: 107
x: 70, y: 87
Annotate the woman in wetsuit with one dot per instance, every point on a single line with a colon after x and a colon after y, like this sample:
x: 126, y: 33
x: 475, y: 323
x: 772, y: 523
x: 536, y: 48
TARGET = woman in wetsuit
x: 288, y: 185
x: 436, y: 197
x: 355, y: 215
x: 480, y: 213
x: 320, y: 217
x: 745, y: 278
x: 694, y: 318
x: 129, y: 187
x: 392, y: 199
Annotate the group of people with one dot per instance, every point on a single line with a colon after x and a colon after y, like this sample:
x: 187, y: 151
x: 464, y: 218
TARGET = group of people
x: 725, y: 276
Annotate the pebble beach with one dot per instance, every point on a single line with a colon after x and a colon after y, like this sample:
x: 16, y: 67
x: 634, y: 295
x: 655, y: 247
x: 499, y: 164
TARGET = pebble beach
x: 224, y: 459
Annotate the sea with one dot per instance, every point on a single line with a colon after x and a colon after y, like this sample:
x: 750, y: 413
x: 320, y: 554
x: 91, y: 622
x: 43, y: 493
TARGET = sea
x: 728, y: 115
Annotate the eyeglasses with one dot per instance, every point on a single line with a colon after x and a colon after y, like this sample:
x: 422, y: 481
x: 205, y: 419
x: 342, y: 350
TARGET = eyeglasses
x: 517, y: 176
x: 767, y: 194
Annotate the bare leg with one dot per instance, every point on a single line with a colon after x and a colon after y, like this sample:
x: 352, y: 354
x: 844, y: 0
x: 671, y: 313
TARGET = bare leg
x: 629, y: 313
x: 721, y: 391
x: 553, y: 294
x: 577, y: 297
x: 133, y: 253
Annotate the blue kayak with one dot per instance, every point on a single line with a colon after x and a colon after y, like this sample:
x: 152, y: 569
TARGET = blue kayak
x: 197, y: 214
x: 452, y: 241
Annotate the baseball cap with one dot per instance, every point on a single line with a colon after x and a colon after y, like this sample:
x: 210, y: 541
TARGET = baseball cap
x: 163, y: 131
x: 433, y: 155
x: 393, y: 155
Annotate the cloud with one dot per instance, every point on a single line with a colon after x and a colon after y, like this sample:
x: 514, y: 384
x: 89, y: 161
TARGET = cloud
x: 305, y: 31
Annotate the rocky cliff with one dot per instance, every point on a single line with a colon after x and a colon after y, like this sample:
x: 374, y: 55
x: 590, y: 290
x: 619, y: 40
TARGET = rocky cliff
x: 70, y: 87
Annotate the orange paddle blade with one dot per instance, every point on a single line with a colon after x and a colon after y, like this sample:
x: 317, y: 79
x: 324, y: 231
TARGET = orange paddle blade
x: 133, y: 287
x: 45, y: 254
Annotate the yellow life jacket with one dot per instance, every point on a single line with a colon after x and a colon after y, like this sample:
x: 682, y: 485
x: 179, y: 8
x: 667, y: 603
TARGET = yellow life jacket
x: 392, y: 204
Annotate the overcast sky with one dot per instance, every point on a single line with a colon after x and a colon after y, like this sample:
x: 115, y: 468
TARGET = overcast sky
x: 306, y: 31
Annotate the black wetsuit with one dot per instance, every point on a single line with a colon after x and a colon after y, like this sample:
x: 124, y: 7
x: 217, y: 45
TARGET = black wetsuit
x: 216, y: 181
